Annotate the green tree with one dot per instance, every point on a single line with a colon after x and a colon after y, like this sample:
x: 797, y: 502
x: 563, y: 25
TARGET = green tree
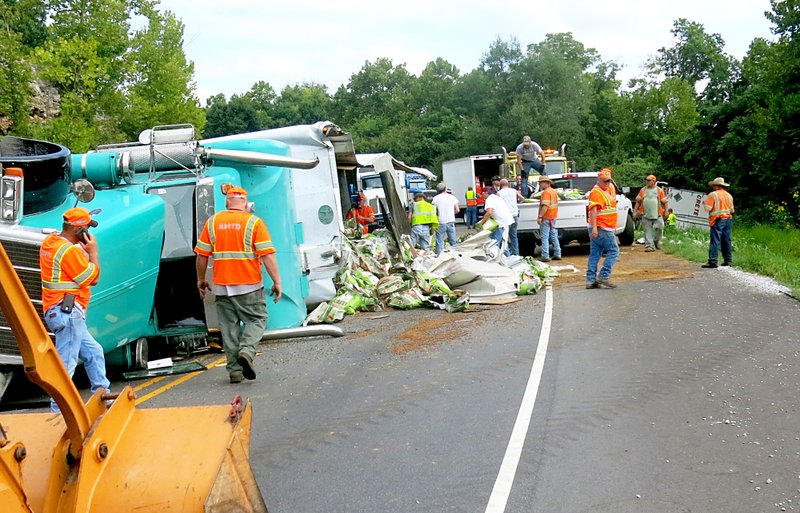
x: 161, y: 89
x: 263, y: 97
x: 302, y: 104
x: 698, y: 58
x: 379, y: 89
x: 236, y: 116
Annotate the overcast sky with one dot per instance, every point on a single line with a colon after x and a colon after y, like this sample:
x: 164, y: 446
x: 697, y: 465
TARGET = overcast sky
x: 235, y: 43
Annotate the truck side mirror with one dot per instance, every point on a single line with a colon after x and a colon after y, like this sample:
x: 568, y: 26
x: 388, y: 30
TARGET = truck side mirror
x: 83, y: 190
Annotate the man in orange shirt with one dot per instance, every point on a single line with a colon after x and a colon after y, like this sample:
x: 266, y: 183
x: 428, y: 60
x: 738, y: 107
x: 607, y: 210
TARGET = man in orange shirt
x: 548, y: 213
x: 719, y: 205
x: 240, y: 244
x: 363, y: 213
x: 69, y: 265
x: 602, y: 223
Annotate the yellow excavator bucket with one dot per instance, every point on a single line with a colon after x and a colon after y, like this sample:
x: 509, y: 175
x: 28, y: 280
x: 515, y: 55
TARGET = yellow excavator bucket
x: 98, y: 458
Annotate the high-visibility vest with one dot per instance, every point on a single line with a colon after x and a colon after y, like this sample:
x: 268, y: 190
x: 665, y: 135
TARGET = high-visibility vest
x: 472, y: 198
x: 365, y: 211
x: 237, y: 240
x: 549, y: 199
x: 662, y: 197
x: 606, y: 205
x: 65, y: 269
x: 423, y: 212
x: 719, y: 205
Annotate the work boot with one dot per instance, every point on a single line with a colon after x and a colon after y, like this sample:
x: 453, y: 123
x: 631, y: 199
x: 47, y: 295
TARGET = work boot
x: 236, y: 377
x: 246, y: 362
x: 649, y: 249
x: 605, y: 284
x: 709, y: 265
x: 726, y: 264
x: 592, y: 285
x: 658, y: 244
x: 557, y: 257
x: 544, y: 259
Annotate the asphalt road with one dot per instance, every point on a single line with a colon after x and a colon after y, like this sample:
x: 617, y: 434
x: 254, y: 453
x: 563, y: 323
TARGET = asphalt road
x: 673, y: 395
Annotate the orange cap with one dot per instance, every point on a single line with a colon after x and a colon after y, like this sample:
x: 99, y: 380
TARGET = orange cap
x: 604, y: 174
x: 651, y: 177
x: 79, y: 216
x: 236, y: 192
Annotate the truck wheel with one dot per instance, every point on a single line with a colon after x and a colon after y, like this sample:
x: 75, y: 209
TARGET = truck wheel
x: 139, y: 353
x: 626, y: 238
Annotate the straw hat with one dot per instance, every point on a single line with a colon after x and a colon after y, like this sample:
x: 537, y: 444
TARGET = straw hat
x: 719, y: 181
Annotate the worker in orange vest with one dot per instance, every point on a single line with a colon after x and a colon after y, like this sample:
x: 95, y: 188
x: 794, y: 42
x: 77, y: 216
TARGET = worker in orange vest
x: 719, y: 205
x: 363, y: 214
x: 240, y: 243
x: 70, y: 265
x: 548, y: 213
x: 602, y: 224
x: 651, y: 206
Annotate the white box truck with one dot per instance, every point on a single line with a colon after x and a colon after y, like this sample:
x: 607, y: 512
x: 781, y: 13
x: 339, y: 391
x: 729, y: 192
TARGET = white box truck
x: 475, y: 170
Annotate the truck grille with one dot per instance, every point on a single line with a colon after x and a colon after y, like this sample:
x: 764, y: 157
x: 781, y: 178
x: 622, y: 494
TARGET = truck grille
x: 25, y: 258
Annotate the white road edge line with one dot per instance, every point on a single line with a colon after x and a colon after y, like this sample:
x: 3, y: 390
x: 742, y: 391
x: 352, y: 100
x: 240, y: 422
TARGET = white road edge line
x: 508, y: 469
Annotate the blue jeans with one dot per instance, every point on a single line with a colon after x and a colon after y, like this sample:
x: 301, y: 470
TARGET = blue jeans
x: 450, y: 230
x: 606, y: 242
x: 471, y: 217
x: 720, y: 240
x: 421, y: 233
x: 73, y: 342
x: 513, y: 240
x: 548, y: 234
x: 527, y: 165
x: 497, y: 236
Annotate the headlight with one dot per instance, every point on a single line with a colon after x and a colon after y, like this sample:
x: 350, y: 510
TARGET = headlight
x: 11, y: 198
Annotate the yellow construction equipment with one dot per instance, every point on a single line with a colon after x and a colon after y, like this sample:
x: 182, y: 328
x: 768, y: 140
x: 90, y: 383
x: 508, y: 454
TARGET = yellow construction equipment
x: 98, y: 458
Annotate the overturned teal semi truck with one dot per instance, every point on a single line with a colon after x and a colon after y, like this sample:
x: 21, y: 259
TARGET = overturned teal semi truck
x: 151, y: 199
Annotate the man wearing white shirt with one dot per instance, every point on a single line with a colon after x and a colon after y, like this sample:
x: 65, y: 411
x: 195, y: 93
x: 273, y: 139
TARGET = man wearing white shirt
x: 495, y: 208
x: 511, y: 196
x: 446, y: 209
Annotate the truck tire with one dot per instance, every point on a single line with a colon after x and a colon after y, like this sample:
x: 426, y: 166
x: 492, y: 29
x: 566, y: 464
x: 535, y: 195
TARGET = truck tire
x: 139, y: 354
x: 626, y: 238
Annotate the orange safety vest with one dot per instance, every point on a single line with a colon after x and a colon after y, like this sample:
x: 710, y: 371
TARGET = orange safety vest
x: 237, y: 240
x: 719, y: 205
x: 364, y: 211
x: 606, y: 205
x: 65, y: 269
x: 549, y: 199
x: 472, y: 198
x: 661, y: 197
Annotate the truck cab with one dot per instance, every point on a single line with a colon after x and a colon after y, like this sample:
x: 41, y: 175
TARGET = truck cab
x: 153, y: 198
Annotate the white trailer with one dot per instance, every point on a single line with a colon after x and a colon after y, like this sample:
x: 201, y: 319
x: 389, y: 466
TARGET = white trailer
x: 474, y: 171
x: 688, y: 208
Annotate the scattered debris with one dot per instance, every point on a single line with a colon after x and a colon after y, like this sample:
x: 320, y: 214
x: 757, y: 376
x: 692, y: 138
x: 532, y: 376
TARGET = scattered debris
x: 181, y: 368
x: 377, y: 273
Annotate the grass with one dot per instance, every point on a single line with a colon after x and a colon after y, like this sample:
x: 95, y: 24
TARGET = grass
x: 761, y: 249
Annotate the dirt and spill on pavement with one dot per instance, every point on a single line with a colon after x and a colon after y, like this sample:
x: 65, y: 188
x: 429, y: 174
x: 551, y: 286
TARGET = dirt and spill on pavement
x: 432, y: 328
x: 634, y: 264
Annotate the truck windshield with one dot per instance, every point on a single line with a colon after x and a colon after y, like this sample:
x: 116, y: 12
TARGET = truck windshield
x: 584, y: 184
x: 555, y: 167
x: 371, y: 182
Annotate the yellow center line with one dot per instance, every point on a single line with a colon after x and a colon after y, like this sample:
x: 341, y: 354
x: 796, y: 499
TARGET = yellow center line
x: 171, y: 384
x: 148, y: 383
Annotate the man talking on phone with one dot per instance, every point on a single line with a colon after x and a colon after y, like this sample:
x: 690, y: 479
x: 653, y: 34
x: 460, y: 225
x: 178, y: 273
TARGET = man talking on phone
x: 69, y: 267
x: 240, y: 244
